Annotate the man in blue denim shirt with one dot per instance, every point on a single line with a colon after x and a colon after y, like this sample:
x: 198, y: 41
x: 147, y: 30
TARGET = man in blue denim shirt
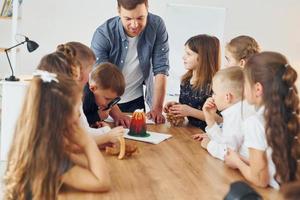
x: 137, y: 42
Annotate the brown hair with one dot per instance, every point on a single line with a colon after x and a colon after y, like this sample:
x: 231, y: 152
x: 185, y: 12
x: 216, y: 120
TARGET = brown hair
x: 131, y: 4
x: 83, y: 52
x: 37, y: 153
x: 281, y: 102
x: 63, y: 62
x: 242, y: 47
x: 291, y: 191
x: 208, y: 50
x: 231, y: 78
x: 107, y: 76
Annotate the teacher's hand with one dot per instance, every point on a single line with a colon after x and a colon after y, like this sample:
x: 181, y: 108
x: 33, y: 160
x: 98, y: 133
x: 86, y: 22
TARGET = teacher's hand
x: 156, y: 116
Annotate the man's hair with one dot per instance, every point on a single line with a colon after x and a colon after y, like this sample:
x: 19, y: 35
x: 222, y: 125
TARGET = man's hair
x: 107, y: 76
x: 131, y: 4
x: 232, y: 79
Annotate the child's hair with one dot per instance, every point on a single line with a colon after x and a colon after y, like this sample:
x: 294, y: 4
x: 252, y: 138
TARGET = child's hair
x: 81, y: 52
x: 208, y: 50
x: 243, y: 47
x: 291, y: 191
x: 281, y: 102
x: 232, y: 79
x: 107, y: 76
x: 37, y: 152
x: 62, y: 62
x: 131, y: 4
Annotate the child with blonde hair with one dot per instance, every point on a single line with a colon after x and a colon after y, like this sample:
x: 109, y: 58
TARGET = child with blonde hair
x: 239, y: 50
x: 202, y: 61
x: 227, y: 97
x: 272, y: 134
x: 40, y: 159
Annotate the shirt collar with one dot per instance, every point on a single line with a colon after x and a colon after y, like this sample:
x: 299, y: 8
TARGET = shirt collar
x: 121, y: 29
x: 232, y: 109
x: 260, y: 110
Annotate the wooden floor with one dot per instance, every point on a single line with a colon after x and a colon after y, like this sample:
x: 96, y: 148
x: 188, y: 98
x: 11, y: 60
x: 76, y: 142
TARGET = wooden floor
x: 174, y: 169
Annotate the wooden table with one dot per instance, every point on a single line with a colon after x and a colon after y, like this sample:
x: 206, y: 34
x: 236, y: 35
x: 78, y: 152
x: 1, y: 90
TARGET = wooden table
x: 174, y: 169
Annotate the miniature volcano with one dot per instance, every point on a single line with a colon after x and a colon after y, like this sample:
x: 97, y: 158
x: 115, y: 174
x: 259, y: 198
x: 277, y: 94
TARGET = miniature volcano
x: 138, y: 124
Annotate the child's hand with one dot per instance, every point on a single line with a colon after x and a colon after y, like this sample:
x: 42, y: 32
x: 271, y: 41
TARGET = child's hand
x: 70, y: 146
x: 168, y: 105
x: 209, y: 110
x: 199, y: 136
x: 115, y: 133
x: 180, y: 110
x: 103, y: 114
x: 231, y: 158
x: 99, y: 124
x: 205, y: 142
x: 209, y: 107
x: 122, y: 119
x: 80, y: 138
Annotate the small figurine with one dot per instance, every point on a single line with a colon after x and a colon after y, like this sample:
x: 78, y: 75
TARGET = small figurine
x: 138, y: 124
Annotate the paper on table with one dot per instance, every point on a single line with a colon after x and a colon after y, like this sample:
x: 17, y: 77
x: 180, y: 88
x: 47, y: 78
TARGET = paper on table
x: 109, y: 119
x: 154, y: 138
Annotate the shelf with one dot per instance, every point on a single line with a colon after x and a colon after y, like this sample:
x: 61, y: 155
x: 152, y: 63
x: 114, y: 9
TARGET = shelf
x: 5, y: 18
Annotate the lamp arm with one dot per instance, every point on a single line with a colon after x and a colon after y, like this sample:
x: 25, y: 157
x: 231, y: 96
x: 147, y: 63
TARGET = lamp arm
x: 15, y: 45
x: 12, y: 70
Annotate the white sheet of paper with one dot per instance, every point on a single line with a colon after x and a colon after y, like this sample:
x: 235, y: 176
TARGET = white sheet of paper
x: 154, y: 138
x: 110, y: 119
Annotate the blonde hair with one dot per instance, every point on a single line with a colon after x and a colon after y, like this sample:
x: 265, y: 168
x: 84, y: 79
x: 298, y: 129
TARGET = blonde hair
x: 37, y: 151
x: 108, y: 76
x: 243, y: 47
x: 208, y: 50
x: 232, y: 79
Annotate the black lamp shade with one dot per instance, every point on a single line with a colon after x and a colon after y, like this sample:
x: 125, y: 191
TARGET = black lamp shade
x: 32, y: 45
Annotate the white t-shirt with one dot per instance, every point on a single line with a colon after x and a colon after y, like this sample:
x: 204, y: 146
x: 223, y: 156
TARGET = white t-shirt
x: 132, y: 73
x: 255, y: 138
x: 231, y: 134
x: 92, y: 131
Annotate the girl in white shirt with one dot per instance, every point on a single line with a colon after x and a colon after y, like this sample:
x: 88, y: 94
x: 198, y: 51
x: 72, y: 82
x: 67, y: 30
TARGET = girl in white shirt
x: 271, y: 135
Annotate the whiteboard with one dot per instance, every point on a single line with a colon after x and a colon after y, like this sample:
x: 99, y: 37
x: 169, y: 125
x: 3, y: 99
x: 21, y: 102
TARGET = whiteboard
x: 183, y: 22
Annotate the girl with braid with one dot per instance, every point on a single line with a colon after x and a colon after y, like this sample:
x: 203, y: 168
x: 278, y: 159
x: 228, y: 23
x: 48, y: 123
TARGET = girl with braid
x: 75, y: 60
x: 239, y: 50
x: 272, y: 134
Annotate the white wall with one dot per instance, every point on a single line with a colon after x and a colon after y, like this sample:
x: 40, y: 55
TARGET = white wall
x: 274, y: 23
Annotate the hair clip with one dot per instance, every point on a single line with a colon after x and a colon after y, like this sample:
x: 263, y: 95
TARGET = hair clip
x: 286, y: 65
x: 46, y: 76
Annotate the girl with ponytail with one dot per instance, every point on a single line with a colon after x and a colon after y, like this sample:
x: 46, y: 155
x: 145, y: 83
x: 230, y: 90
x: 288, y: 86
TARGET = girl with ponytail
x: 41, y: 158
x: 272, y: 134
